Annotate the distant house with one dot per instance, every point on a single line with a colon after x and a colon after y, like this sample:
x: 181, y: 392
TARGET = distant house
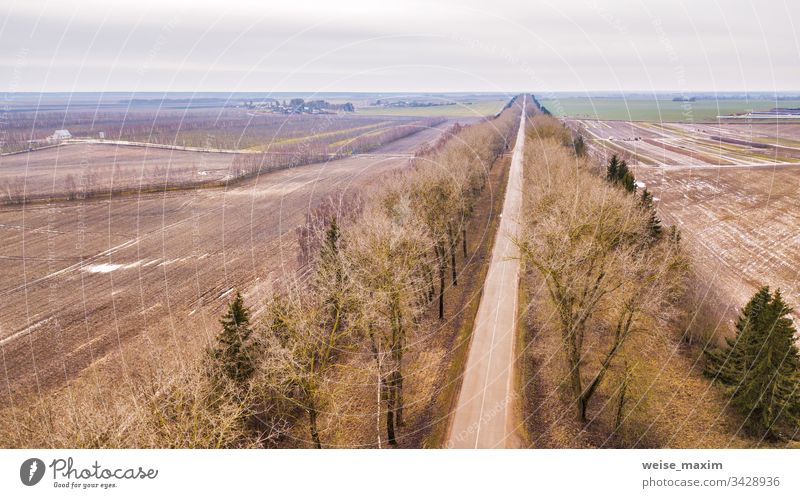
x: 61, y: 135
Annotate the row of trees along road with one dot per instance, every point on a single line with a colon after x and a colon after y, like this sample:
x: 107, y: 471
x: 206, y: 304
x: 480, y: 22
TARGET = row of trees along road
x: 608, y: 271
x: 376, y: 269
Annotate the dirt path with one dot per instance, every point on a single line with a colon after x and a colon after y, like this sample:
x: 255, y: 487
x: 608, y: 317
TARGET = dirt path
x: 481, y: 417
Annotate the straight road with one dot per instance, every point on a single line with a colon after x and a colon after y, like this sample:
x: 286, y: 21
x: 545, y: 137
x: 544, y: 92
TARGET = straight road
x: 483, y: 414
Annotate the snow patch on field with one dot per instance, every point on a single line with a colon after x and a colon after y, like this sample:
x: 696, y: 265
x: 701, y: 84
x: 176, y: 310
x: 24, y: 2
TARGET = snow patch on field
x: 173, y: 261
x: 109, y: 267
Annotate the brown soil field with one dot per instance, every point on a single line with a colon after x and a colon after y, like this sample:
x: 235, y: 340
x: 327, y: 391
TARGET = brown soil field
x: 222, y: 128
x: 674, y: 145
x: 740, y: 215
x: 743, y: 224
x: 87, y: 166
x: 82, y: 281
x: 91, y: 168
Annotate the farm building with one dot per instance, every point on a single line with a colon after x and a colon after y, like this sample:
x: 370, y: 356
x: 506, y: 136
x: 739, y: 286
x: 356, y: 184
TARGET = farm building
x: 61, y: 135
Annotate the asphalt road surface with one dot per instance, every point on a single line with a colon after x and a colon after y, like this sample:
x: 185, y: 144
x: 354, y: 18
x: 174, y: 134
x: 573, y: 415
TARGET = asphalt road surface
x: 483, y: 416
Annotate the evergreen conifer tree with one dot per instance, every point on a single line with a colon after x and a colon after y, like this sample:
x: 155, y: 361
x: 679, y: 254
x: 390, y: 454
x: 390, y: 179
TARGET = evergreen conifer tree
x: 233, y: 351
x: 728, y: 364
x: 625, y: 177
x: 611, y: 169
x: 762, y: 366
x: 579, y: 145
x: 331, y: 280
x: 768, y: 392
x: 617, y: 172
x: 653, y: 223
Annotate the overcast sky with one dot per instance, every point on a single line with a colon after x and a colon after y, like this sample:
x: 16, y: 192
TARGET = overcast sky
x: 381, y: 46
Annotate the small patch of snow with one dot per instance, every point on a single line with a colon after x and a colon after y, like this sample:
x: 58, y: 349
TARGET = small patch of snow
x: 102, y: 268
x: 109, y: 267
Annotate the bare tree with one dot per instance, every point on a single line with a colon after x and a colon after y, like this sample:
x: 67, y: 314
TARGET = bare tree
x: 388, y: 254
x: 311, y: 323
x: 589, y: 243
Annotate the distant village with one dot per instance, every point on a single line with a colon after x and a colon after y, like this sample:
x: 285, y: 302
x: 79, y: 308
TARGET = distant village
x: 410, y: 103
x: 297, y: 106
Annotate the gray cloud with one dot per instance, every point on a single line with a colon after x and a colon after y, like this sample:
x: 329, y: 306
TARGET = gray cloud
x: 246, y: 45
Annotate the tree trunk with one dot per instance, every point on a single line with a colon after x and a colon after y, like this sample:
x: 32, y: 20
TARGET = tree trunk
x: 399, y: 399
x: 453, y: 263
x: 452, y: 242
x: 390, y: 425
x: 464, y: 242
x: 432, y: 287
x: 312, y: 419
x: 390, y: 414
x: 582, y: 409
x: 621, y: 332
x: 621, y: 402
x: 441, y: 292
x: 575, y: 376
x: 441, y: 259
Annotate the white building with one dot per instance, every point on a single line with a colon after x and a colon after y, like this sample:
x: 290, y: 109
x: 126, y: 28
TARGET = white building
x: 61, y: 135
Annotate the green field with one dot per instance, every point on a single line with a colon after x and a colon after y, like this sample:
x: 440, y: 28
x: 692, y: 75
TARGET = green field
x: 656, y: 110
x: 477, y: 108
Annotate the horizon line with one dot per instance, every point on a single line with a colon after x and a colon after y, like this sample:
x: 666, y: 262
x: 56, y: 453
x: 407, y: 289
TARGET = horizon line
x: 433, y: 92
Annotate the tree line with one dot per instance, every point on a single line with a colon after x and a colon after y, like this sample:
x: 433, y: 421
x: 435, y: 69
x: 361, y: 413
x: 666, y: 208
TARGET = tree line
x: 613, y: 274
x: 608, y: 273
x: 372, y: 280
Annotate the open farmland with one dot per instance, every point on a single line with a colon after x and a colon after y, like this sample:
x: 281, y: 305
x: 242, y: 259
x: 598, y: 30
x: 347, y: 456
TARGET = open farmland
x: 86, y: 167
x: 679, y: 145
x: 223, y: 128
x: 82, y: 167
x: 655, y: 110
x: 472, y: 108
x: 732, y: 188
x: 743, y: 224
x: 82, y: 280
